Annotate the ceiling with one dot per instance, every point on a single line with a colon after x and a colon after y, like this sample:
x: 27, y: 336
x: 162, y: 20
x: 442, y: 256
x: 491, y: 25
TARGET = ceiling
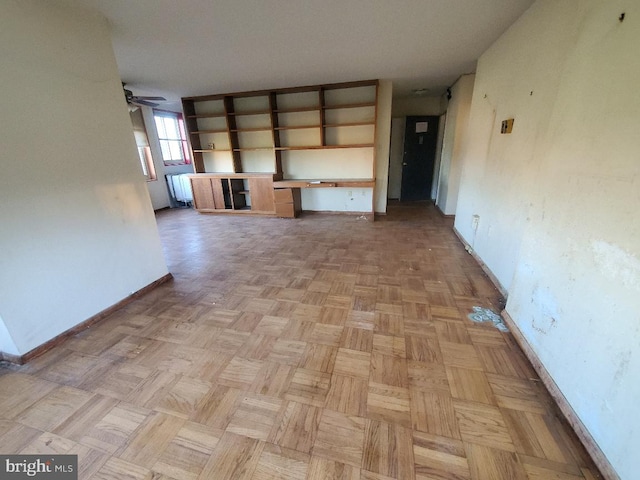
x: 197, y: 47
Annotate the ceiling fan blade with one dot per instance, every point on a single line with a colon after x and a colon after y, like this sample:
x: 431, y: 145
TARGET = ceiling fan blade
x: 143, y: 97
x: 140, y: 102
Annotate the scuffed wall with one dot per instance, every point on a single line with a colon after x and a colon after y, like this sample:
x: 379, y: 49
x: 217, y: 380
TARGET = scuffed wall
x: 557, y: 202
x: 78, y: 231
x: 455, y: 130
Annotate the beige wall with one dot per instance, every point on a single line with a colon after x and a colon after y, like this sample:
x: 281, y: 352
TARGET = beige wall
x: 557, y: 201
x: 396, y: 151
x: 383, y: 136
x: 78, y: 231
x: 408, y: 106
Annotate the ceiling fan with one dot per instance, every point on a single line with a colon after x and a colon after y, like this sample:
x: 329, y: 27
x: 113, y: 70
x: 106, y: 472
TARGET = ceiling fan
x: 141, y: 100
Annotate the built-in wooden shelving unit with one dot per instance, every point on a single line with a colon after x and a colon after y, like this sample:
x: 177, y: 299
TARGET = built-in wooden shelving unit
x: 287, y: 133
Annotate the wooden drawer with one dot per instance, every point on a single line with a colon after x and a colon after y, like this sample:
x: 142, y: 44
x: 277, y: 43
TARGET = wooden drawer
x: 283, y: 195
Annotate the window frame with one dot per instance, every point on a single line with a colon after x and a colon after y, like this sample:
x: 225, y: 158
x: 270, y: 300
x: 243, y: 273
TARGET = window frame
x: 141, y: 137
x: 182, y: 132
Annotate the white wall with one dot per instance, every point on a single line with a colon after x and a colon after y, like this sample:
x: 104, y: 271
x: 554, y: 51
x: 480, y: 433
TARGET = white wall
x: 455, y: 130
x: 337, y: 199
x: 7, y: 344
x: 558, y: 201
x: 78, y: 231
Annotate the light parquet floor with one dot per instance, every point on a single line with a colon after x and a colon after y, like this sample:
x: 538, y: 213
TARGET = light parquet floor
x: 325, y: 347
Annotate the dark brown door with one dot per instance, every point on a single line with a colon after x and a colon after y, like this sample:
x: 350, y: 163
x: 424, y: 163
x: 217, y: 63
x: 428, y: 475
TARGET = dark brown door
x: 420, y: 139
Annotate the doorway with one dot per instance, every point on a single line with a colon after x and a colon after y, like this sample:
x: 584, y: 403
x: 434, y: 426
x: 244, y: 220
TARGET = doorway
x: 418, y: 160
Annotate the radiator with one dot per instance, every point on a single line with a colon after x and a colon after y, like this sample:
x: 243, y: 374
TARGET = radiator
x: 180, y: 188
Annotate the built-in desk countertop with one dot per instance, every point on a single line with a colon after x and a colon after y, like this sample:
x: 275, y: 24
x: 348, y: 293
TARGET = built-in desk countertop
x: 315, y: 183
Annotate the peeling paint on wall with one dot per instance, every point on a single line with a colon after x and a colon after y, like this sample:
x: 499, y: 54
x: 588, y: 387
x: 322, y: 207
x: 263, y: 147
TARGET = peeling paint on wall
x: 617, y: 264
x: 547, y: 306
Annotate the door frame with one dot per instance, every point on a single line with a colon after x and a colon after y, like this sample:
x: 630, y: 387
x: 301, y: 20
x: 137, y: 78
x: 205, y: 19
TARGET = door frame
x: 436, y: 153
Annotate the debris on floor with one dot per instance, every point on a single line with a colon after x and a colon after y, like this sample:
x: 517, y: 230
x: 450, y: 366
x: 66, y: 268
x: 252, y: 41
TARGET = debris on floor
x: 483, y: 315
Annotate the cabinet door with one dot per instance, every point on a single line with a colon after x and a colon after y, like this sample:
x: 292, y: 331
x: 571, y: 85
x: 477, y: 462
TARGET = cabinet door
x: 202, y: 194
x: 218, y: 193
x: 261, y: 191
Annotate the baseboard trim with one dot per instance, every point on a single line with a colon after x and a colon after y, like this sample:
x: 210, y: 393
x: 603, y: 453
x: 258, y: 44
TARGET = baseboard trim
x: 485, y: 269
x: 597, y: 455
x: 444, y: 214
x: 57, y: 340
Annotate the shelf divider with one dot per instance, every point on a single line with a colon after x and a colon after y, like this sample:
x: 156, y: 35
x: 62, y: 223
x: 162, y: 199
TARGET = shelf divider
x: 233, y: 133
x: 275, y: 129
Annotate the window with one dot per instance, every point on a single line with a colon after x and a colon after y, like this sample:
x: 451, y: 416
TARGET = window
x: 142, y: 142
x: 144, y: 152
x: 173, y: 140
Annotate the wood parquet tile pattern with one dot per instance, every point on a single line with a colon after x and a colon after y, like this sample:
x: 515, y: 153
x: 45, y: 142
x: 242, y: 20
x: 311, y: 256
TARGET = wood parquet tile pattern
x: 325, y: 347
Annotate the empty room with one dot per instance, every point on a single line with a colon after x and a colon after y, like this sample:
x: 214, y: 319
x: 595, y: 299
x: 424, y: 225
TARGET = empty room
x: 354, y: 239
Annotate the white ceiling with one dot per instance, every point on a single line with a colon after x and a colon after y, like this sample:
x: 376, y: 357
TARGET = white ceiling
x: 179, y: 48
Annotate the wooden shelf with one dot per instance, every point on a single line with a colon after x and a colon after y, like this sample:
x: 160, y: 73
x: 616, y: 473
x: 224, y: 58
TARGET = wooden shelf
x: 326, y: 147
x: 231, y: 175
x: 198, y: 132
x: 298, y: 127
x: 315, y: 108
x: 349, y: 105
x: 326, y: 114
x: 325, y: 183
x: 211, y: 150
x: 254, y: 129
x: 207, y: 115
x: 256, y: 149
x: 352, y: 124
x: 284, y: 149
x: 255, y: 112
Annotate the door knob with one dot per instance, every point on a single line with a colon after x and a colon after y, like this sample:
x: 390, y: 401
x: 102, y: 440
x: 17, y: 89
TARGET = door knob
x: 404, y: 164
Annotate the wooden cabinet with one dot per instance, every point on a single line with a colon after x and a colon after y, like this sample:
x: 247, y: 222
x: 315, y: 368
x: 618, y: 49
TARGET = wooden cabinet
x: 203, y: 194
x: 261, y: 192
x: 288, y: 202
x: 233, y: 193
x: 317, y: 136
